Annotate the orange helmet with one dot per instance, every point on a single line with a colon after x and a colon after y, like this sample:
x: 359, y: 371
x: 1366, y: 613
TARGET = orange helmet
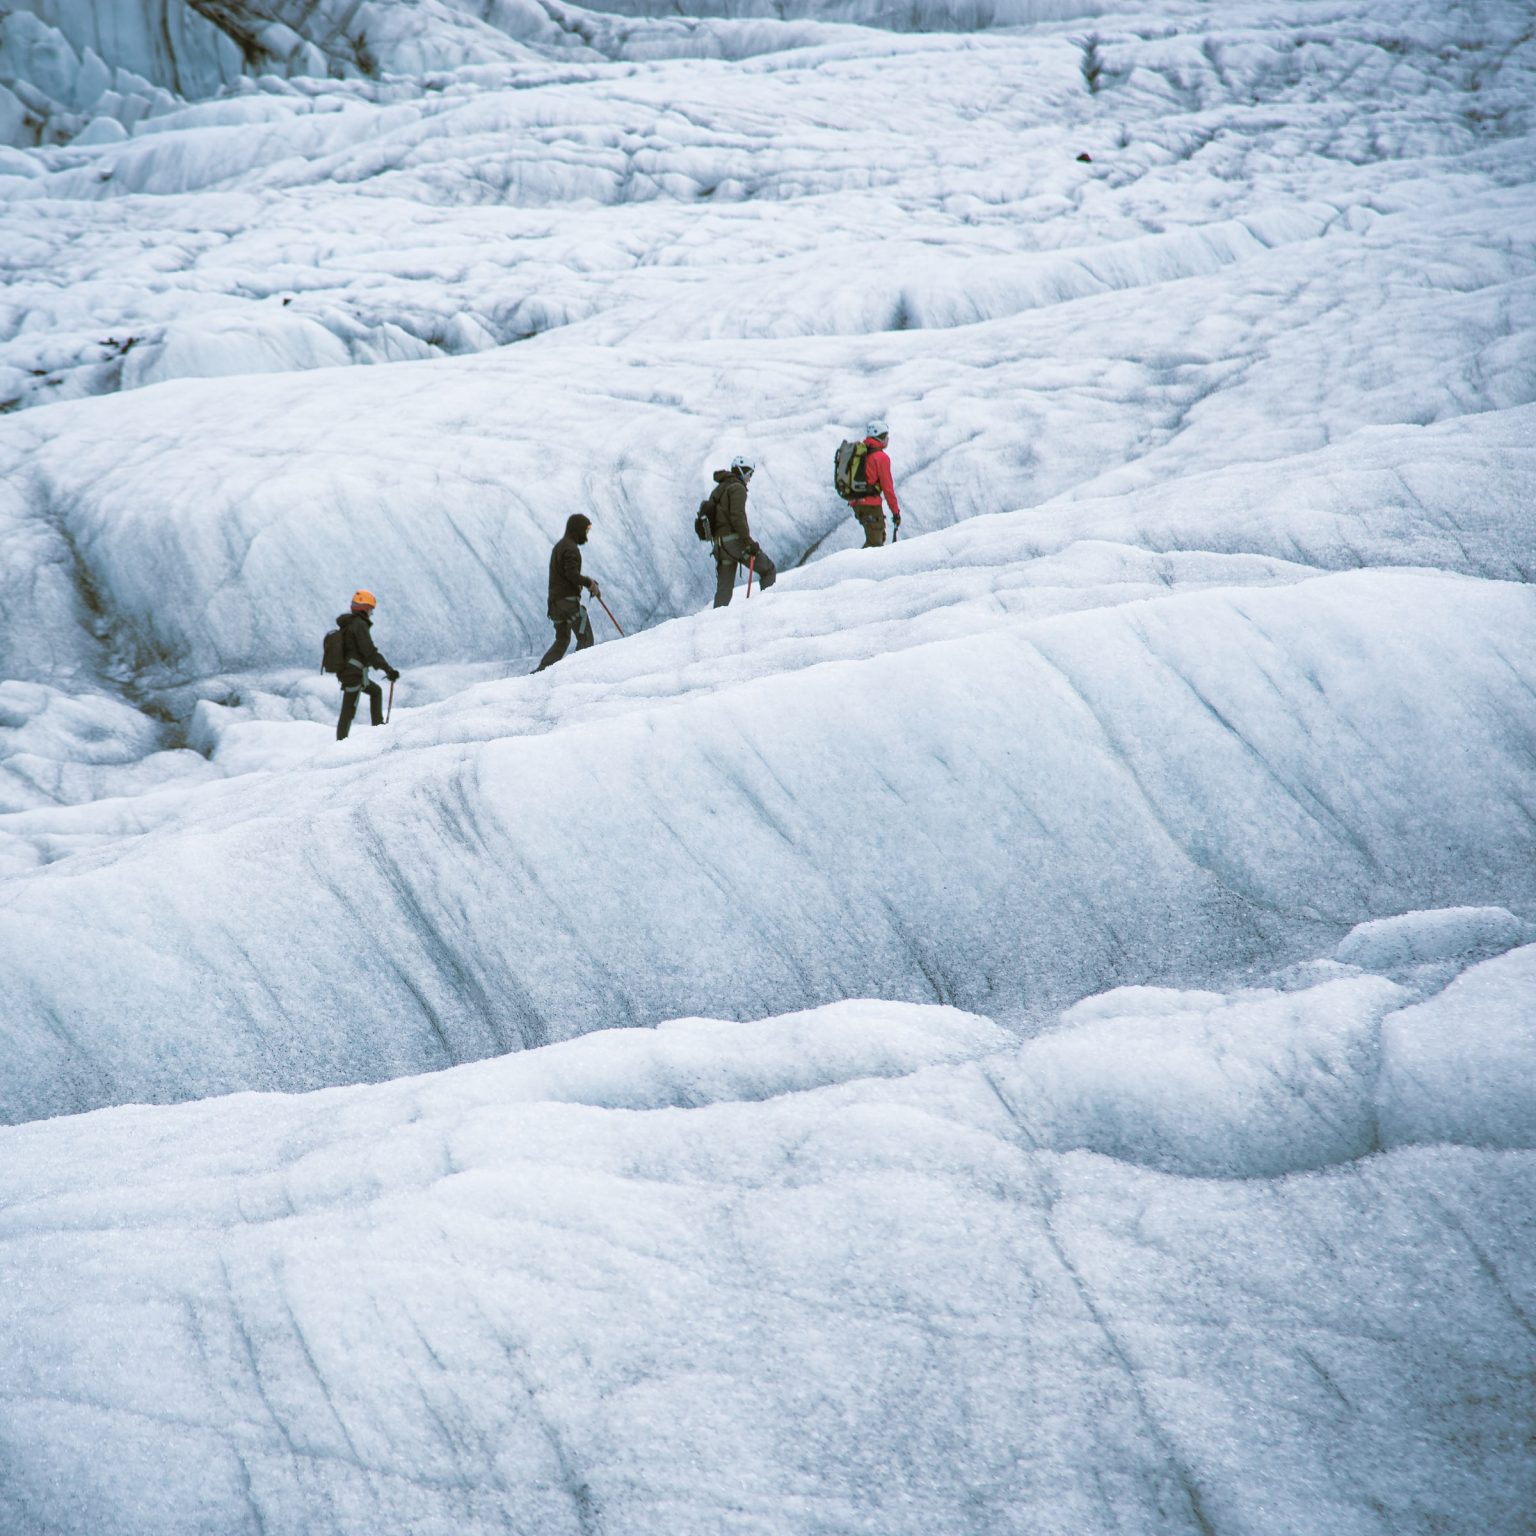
x: 363, y: 601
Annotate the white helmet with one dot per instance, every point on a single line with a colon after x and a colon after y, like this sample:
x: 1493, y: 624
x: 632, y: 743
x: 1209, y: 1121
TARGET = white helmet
x: 743, y: 462
x: 877, y: 428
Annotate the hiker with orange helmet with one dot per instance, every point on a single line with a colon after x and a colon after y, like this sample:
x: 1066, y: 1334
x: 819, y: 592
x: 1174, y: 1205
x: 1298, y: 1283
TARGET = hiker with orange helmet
x: 877, y: 476
x: 358, y: 653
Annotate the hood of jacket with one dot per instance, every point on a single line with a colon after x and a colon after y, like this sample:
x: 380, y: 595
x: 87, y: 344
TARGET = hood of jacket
x: 343, y: 619
x: 722, y: 475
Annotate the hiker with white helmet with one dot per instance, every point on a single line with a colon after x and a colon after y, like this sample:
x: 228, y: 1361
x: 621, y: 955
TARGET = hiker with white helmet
x: 731, y: 537
x: 875, y: 480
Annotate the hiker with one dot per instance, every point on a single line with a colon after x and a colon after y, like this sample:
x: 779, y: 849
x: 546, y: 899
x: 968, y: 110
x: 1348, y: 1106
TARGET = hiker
x: 358, y: 653
x: 877, y: 476
x: 733, y: 543
x: 566, y: 583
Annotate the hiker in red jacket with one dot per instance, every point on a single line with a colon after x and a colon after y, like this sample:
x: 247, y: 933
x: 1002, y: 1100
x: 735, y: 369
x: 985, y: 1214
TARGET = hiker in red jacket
x: 877, y: 474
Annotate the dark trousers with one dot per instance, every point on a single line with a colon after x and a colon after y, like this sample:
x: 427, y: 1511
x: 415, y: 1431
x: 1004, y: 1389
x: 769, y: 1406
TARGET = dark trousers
x: 570, y: 619
x: 872, y: 521
x: 731, y: 555
x: 349, y: 697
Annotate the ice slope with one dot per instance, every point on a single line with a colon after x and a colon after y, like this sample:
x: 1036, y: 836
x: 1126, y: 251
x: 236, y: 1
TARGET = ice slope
x: 1003, y: 786
x: 88, y: 74
x: 74, y: 71
x: 1226, y: 650
x: 310, y: 224
x: 1187, y: 735
x: 1192, y: 1262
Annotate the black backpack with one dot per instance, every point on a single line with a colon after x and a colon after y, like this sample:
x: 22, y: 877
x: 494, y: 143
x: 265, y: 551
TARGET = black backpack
x: 704, y: 518
x: 848, y: 470
x: 333, y: 653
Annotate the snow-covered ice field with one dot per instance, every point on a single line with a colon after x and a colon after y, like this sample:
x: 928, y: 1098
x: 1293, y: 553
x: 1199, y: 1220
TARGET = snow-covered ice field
x: 1031, y: 1029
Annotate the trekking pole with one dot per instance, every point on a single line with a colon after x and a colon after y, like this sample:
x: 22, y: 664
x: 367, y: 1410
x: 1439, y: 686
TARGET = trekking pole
x: 611, y: 619
x: 391, y: 703
x: 750, y: 564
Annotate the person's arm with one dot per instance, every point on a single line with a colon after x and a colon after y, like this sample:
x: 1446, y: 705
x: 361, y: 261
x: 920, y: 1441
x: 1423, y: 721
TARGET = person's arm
x: 372, y: 656
x: 570, y: 566
x: 736, y: 515
x: 887, y: 483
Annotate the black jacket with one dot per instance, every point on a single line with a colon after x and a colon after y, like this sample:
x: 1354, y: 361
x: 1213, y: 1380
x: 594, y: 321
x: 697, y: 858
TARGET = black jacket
x: 357, y: 647
x: 565, y: 578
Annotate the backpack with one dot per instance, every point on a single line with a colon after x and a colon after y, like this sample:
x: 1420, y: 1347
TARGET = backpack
x: 848, y: 471
x: 333, y: 654
x: 704, y: 518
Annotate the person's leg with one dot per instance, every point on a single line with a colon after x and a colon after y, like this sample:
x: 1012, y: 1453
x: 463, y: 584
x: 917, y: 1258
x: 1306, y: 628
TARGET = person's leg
x: 872, y: 521
x: 375, y: 703
x: 584, y: 635
x: 725, y: 580
x: 349, y: 697
x: 557, y: 650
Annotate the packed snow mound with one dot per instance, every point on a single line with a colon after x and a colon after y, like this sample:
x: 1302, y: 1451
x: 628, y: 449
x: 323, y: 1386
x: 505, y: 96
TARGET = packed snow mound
x: 723, y: 1277
x: 1452, y: 937
x: 1462, y: 1066
x: 1165, y: 788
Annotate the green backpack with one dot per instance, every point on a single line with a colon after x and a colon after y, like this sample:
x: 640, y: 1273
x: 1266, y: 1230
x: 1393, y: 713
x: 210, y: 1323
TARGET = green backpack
x: 848, y: 471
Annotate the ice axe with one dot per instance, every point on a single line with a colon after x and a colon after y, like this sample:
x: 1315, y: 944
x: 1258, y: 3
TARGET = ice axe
x: 604, y: 606
x: 391, y: 703
x: 751, y: 564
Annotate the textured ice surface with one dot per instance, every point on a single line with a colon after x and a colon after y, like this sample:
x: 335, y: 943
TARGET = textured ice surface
x: 1462, y: 1066
x: 1088, y: 942
x: 1217, y: 643
x: 829, y: 1271
x: 649, y: 832
x: 1424, y: 940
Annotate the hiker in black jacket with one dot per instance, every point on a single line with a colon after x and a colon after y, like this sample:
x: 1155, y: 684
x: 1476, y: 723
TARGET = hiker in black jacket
x: 358, y: 654
x: 734, y: 545
x: 566, y: 583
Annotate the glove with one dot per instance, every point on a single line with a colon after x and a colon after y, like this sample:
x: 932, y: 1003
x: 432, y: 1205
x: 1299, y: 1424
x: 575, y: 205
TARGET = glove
x: 896, y: 519
x: 594, y: 589
x: 754, y: 549
x: 392, y: 674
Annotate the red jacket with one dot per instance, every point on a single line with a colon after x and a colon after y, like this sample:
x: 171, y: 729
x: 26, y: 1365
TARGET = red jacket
x: 877, y: 470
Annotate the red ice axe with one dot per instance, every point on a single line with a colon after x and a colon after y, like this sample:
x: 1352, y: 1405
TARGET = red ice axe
x: 604, y: 606
x: 391, y: 703
x: 750, y: 565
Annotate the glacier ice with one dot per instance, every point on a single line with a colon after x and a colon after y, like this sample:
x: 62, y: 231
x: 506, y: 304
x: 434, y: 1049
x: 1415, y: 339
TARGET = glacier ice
x: 765, y: 1277
x: 1029, y: 1030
